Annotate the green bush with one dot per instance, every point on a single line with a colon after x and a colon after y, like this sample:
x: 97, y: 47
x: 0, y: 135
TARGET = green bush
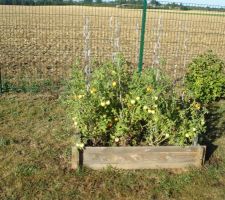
x: 123, y: 108
x: 205, y: 79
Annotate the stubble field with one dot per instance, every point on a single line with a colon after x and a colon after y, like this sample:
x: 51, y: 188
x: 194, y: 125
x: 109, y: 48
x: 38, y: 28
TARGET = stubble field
x: 40, y: 42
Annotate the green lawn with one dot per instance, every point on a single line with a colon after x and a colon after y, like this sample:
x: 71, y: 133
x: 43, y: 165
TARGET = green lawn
x: 35, y: 150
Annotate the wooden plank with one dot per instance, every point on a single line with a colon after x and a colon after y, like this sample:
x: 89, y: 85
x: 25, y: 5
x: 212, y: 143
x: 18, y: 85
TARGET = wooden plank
x: 146, y: 149
x: 129, y: 158
x: 148, y: 165
x: 143, y: 157
x: 75, y: 158
x: 201, y: 156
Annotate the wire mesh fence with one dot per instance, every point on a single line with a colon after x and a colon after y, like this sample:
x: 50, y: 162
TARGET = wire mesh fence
x: 39, y: 43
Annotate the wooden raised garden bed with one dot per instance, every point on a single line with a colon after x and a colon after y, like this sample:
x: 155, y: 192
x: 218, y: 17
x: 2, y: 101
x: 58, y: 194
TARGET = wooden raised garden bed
x: 160, y: 157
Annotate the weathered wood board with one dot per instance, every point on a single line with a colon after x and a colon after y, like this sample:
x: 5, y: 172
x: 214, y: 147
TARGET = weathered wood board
x: 163, y: 157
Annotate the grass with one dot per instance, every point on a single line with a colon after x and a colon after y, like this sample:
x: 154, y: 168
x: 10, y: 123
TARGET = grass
x: 32, y: 87
x: 35, y: 150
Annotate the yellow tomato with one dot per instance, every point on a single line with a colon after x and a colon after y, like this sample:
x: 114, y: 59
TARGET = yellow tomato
x: 149, y: 89
x: 102, y: 103
x: 145, y: 107
x: 80, y: 96
x: 197, y: 106
x: 137, y: 98
x: 132, y: 101
x: 93, y: 90
x: 151, y: 111
x: 116, y: 119
x: 114, y: 83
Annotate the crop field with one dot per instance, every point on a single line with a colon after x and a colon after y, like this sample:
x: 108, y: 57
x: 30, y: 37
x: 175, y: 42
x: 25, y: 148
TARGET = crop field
x: 39, y: 42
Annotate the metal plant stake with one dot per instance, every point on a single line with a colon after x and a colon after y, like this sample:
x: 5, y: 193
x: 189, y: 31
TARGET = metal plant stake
x: 156, y: 54
x: 87, y: 52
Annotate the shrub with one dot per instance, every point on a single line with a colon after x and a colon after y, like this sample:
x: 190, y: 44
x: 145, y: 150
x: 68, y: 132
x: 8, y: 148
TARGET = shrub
x: 123, y: 108
x: 205, y: 79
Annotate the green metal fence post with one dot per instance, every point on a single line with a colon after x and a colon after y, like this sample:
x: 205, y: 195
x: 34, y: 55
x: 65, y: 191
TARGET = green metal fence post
x: 141, y: 51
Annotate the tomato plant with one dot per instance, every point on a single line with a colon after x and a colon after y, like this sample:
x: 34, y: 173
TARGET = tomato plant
x: 122, y: 107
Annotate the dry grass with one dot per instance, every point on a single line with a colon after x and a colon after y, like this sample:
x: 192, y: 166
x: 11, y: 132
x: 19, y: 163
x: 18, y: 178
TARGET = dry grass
x: 44, y: 41
x: 35, y: 150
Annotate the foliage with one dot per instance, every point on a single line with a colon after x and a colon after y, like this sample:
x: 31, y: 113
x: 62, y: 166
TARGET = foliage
x: 123, y: 108
x: 205, y: 79
x: 155, y: 3
x: 98, y: 1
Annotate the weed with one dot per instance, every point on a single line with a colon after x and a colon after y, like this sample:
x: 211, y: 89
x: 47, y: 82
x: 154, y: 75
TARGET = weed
x: 4, y: 142
x: 26, y: 169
